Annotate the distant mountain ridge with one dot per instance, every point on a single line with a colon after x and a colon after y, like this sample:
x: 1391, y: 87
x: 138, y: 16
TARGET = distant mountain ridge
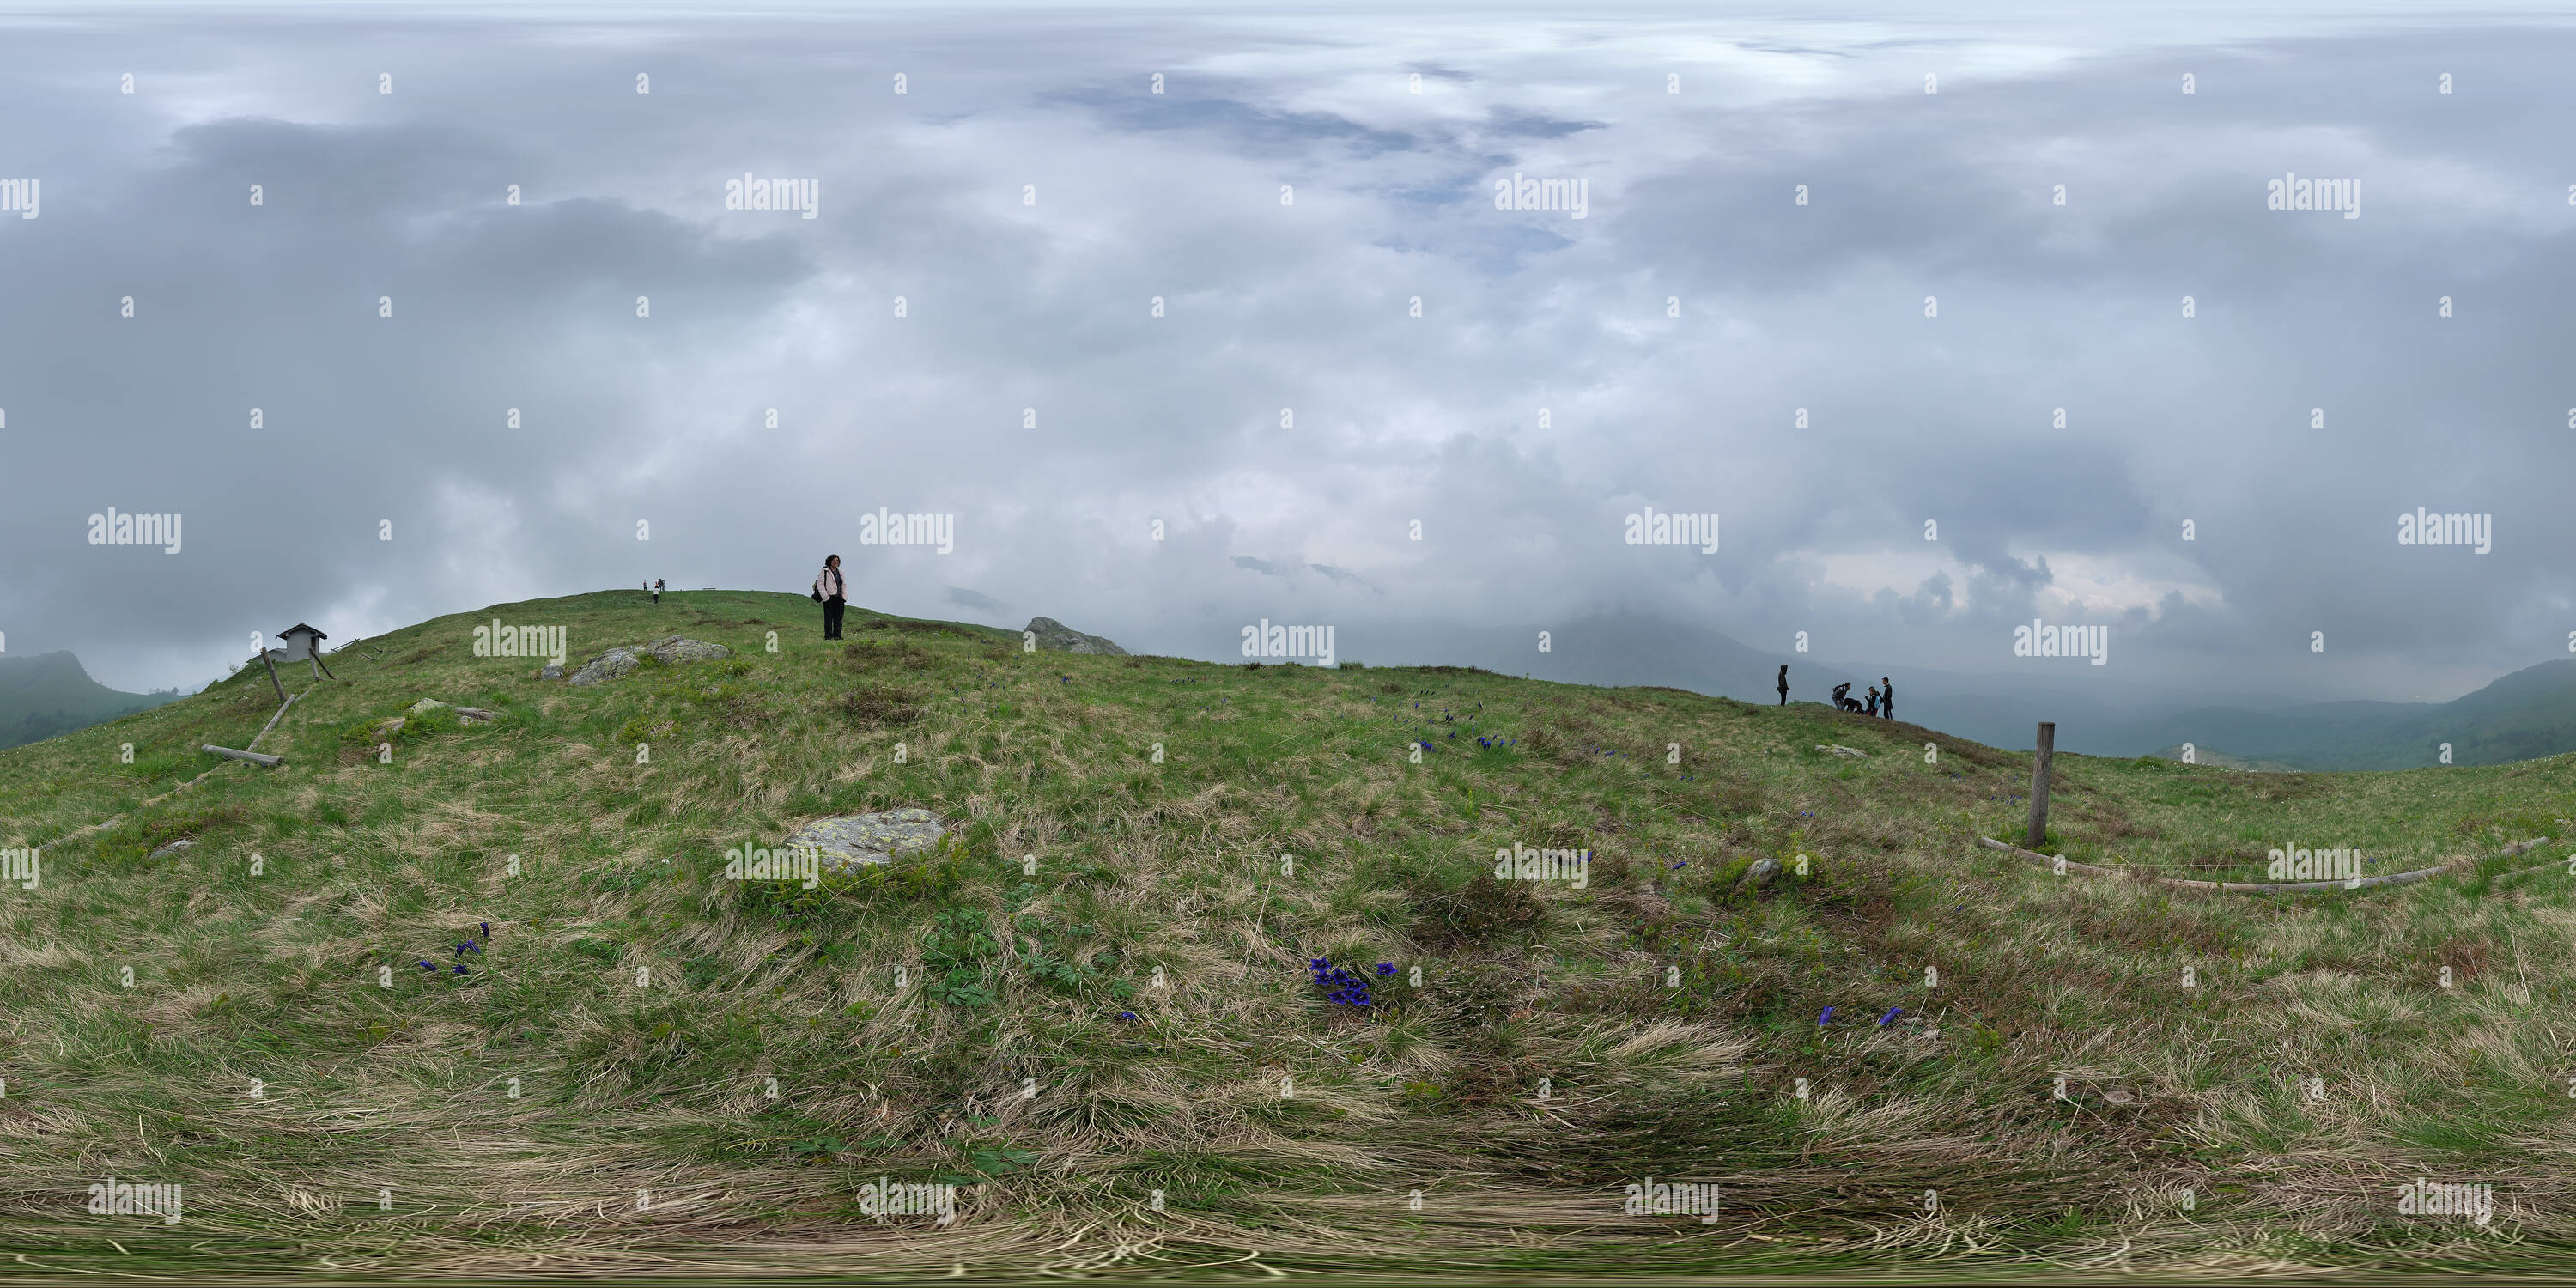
x: 49, y: 694
x: 2522, y: 716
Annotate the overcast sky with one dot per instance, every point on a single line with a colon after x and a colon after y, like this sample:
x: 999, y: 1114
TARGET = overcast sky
x: 1546, y: 391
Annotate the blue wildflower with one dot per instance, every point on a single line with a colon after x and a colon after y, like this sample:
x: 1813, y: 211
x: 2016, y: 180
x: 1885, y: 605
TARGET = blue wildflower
x: 1126, y: 1015
x: 1826, y: 1018
x: 427, y: 967
x: 1890, y: 1017
x: 1386, y: 968
x: 460, y: 969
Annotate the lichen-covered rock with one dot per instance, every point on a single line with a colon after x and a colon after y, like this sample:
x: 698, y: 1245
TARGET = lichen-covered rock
x: 173, y: 848
x: 610, y: 665
x: 675, y: 649
x: 387, y: 729
x: 1056, y: 637
x: 1761, y: 873
x: 864, y: 840
x: 551, y: 673
x: 425, y: 706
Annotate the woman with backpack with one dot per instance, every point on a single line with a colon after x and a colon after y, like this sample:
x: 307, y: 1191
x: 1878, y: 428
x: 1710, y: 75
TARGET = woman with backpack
x: 833, y: 594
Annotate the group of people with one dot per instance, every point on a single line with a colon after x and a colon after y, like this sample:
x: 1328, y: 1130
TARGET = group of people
x: 1882, y: 698
x: 654, y: 588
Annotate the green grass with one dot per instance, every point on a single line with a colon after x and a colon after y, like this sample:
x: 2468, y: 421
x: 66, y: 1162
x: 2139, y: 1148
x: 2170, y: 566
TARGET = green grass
x: 1159, y: 888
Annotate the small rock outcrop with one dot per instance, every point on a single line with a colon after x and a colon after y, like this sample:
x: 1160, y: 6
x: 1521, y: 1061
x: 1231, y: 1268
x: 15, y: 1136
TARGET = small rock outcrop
x: 613, y: 664
x: 1056, y: 637
x: 174, y: 847
x: 425, y: 706
x: 674, y: 649
x: 865, y: 840
x: 1760, y: 874
x: 1841, y: 750
x: 619, y: 662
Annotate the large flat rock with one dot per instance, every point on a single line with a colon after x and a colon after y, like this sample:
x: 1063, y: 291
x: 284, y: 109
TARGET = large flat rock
x: 865, y: 840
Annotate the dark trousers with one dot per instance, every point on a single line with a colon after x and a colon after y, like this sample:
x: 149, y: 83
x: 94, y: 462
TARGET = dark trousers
x: 832, y: 618
x: 1784, y: 697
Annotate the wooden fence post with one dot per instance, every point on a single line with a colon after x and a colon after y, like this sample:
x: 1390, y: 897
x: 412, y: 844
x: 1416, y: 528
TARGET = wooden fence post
x: 2039, y: 782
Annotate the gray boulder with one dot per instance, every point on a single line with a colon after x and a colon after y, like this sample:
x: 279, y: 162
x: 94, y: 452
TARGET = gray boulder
x: 613, y: 664
x: 1056, y: 637
x: 551, y: 673
x: 620, y: 662
x: 174, y: 847
x: 675, y: 649
x: 1761, y: 873
x: 865, y: 840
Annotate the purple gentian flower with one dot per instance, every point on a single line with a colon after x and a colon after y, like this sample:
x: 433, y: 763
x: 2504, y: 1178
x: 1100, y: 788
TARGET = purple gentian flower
x: 1890, y: 1017
x: 1826, y: 1018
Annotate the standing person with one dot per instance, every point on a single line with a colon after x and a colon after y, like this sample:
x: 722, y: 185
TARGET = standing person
x: 1872, y: 708
x: 657, y: 590
x: 1784, y: 684
x: 834, y: 592
x: 1887, y: 698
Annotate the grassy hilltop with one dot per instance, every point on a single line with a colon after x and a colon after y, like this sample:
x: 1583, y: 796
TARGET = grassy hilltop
x: 1669, y: 1009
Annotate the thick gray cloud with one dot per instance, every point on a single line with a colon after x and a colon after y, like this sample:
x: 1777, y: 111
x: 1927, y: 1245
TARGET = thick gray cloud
x: 1288, y: 418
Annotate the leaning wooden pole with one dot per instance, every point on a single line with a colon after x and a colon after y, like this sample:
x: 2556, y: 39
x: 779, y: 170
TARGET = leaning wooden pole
x: 251, y: 756
x: 272, y: 676
x: 2039, y: 783
x: 272, y: 723
x: 2054, y: 862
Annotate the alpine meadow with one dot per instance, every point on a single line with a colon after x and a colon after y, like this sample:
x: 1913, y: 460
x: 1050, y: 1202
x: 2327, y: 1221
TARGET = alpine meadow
x: 850, y: 641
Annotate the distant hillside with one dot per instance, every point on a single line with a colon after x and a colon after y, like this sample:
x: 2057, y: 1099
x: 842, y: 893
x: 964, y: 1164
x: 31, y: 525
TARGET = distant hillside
x: 2223, y: 760
x: 49, y: 694
x: 2523, y: 716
